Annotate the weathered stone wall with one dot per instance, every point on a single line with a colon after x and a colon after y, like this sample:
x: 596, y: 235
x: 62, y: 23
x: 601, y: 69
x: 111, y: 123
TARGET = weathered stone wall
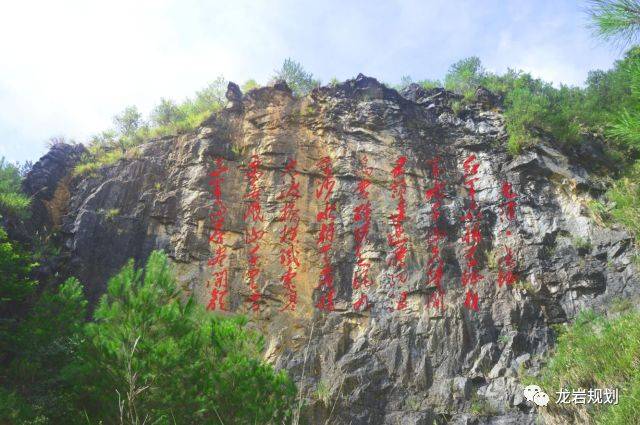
x: 410, y: 366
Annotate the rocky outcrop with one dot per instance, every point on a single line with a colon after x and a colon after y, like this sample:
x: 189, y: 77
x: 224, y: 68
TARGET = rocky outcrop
x: 46, y: 184
x: 381, y: 365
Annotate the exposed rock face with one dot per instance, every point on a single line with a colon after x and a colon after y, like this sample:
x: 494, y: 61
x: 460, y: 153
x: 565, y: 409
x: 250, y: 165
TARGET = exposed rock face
x: 417, y: 365
x: 46, y: 183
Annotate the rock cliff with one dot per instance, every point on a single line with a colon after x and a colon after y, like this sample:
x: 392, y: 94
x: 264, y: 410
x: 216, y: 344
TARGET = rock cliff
x: 410, y: 347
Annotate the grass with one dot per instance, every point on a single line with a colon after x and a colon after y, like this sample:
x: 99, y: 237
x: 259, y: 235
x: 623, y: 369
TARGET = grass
x: 625, y: 196
x: 480, y: 406
x: 16, y: 203
x: 598, y: 212
x: 94, y: 161
x: 581, y: 244
x: 621, y: 305
x: 597, y: 352
x: 413, y: 403
x: 110, y: 148
x: 624, y: 203
x: 323, y: 392
x: 44, y: 245
x: 238, y: 151
x: 457, y: 106
x: 189, y: 123
x: 90, y: 165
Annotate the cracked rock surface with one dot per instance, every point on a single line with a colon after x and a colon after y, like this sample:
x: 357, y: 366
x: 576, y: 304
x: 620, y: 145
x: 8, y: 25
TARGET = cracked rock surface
x: 412, y: 366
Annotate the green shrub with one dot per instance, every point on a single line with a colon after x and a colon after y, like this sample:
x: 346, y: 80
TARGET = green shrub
x: 166, y: 112
x: 465, y: 76
x: 430, y: 84
x: 92, y: 163
x: 300, y: 81
x: 12, y: 200
x: 581, y: 244
x: 148, y: 356
x: 209, y: 99
x: 167, y: 119
x: 45, y: 347
x: 625, y: 195
x: 15, y: 289
x: 480, y: 406
x: 249, y: 85
x: 128, y: 121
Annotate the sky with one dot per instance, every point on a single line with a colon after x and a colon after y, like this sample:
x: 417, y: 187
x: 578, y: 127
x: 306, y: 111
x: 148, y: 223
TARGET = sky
x: 68, y: 66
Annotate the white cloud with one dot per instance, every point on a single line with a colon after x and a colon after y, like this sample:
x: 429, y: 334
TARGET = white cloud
x: 68, y: 66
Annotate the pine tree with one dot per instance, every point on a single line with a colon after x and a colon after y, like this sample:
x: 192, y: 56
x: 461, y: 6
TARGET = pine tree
x: 151, y: 356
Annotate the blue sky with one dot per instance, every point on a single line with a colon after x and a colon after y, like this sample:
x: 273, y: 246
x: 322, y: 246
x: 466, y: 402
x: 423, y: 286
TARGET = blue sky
x: 68, y: 66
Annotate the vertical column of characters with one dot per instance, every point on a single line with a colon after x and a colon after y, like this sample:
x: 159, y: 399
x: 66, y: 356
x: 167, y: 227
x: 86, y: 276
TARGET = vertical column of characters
x: 326, y: 219
x: 435, y: 265
x: 472, y: 236
x: 506, y: 264
x: 397, y: 239
x: 216, y: 263
x: 253, y: 230
x: 362, y: 221
x: 290, y: 217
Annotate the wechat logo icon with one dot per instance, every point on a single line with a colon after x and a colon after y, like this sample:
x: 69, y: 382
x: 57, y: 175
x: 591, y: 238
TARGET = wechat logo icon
x: 534, y: 394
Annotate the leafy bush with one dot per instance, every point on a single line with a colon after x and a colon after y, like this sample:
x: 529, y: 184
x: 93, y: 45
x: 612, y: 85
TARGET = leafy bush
x: 128, y: 121
x: 12, y: 200
x: 166, y: 113
x: 300, y: 81
x: 167, y: 118
x: 249, y: 85
x: 533, y: 108
x: 429, y: 84
x: 209, y: 99
x: 465, y: 76
x: 625, y: 195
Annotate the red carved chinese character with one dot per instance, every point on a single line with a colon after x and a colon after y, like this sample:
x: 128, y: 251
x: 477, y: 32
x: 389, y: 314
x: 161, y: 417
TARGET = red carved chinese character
x: 472, y: 236
x: 216, y: 263
x: 325, y: 236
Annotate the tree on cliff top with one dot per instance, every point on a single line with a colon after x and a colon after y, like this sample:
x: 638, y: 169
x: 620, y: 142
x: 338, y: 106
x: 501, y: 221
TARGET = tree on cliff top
x: 464, y: 76
x: 128, y: 121
x: 293, y: 73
